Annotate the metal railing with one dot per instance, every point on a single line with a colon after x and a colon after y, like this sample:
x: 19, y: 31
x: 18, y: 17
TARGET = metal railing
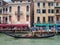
x: 18, y: 13
x: 5, y: 12
x: 51, y: 22
x: 57, y: 13
x: 58, y: 22
x: 57, y: 6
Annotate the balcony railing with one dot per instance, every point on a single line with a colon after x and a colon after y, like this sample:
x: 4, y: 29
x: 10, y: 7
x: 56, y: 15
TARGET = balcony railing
x: 57, y: 13
x: 5, y: 12
x: 58, y: 22
x: 18, y: 13
x: 57, y: 6
x: 51, y: 22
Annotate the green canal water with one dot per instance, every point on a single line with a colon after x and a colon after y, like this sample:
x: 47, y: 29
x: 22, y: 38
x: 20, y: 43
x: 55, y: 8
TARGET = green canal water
x: 7, y: 40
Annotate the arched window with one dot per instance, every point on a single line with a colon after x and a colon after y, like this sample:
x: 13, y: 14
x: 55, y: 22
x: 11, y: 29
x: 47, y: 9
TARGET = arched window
x: 0, y: 20
x: 6, y: 9
x: 18, y: 9
x: 10, y: 18
x: 6, y: 19
x: 27, y: 18
x: 18, y: 18
x: 27, y: 8
x: 38, y: 19
x: 3, y: 19
x: 10, y: 8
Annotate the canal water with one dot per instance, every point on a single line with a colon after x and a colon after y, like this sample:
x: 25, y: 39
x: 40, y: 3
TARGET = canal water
x: 7, y: 40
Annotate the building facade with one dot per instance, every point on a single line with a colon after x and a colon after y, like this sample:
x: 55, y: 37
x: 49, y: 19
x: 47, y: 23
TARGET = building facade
x: 17, y: 12
x: 57, y: 14
x: 38, y: 13
x: 20, y: 12
x: 45, y: 13
x: 3, y: 12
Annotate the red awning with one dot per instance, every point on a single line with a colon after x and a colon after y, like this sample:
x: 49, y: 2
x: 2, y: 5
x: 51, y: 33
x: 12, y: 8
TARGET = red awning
x: 13, y: 25
x: 21, y: 25
x: 3, y: 25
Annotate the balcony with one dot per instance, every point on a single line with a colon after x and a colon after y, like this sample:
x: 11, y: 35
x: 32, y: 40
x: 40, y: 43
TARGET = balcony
x: 57, y: 6
x: 58, y: 22
x: 18, y: 13
x: 57, y: 13
x: 51, y: 22
x: 5, y: 13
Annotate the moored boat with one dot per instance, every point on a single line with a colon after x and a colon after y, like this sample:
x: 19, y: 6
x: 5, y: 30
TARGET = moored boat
x: 34, y: 34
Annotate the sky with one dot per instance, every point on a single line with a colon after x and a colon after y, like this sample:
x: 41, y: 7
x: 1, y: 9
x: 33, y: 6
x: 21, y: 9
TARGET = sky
x: 7, y: 0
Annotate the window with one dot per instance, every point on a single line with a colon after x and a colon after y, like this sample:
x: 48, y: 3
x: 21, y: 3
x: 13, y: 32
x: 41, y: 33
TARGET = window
x: 18, y: 18
x: 27, y: 8
x: 57, y: 11
x: 38, y: 19
x: 43, y: 19
x: 38, y: 10
x: 43, y: 11
x: 10, y: 18
x: 38, y: 4
x: 43, y: 4
x: 3, y: 19
x: 50, y: 19
x: 6, y: 9
x: 3, y: 9
x: 10, y: 8
x: 0, y: 11
x: 57, y: 4
x: 18, y: 9
x: 27, y: 18
x: 57, y: 18
x: 0, y: 3
x: 6, y: 19
x: 50, y: 10
x: 50, y: 3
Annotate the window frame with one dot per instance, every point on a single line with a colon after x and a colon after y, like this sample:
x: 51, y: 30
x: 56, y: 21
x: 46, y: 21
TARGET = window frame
x: 27, y: 17
x: 50, y: 4
x: 43, y: 4
x: 18, y: 8
x: 50, y: 10
x: 0, y: 3
x: 38, y: 11
x: 43, y: 11
x: 27, y: 8
x: 38, y: 19
x: 38, y: 4
x: 10, y: 8
x: 44, y: 20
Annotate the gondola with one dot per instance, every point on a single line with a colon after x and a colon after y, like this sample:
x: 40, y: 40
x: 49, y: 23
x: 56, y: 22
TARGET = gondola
x: 47, y: 36
x: 35, y: 36
x: 41, y: 33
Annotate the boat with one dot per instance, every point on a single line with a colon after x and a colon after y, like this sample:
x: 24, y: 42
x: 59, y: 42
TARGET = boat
x: 46, y: 36
x: 33, y: 35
